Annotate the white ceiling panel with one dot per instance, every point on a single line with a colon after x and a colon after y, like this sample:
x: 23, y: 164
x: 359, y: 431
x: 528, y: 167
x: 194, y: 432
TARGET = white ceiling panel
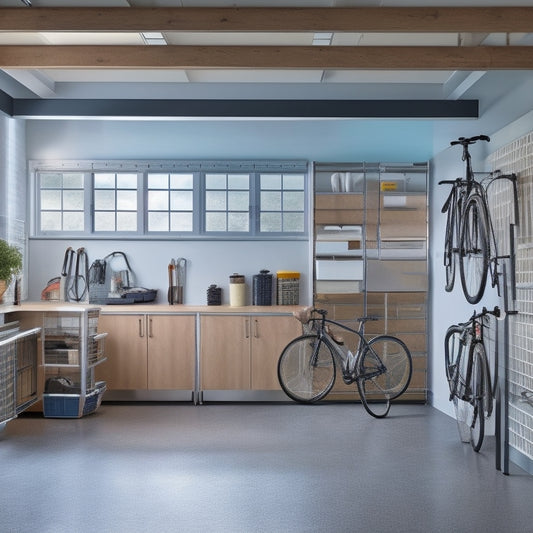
x: 21, y: 38
x: 239, y: 39
x: 91, y: 38
x: 110, y: 75
x: 386, y: 76
x: 254, y: 76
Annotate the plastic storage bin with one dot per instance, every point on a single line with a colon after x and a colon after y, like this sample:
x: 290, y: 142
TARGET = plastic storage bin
x: 73, y: 405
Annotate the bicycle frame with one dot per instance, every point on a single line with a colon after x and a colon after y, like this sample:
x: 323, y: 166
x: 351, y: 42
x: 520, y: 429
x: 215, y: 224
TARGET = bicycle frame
x: 350, y: 375
x: 472, y: 332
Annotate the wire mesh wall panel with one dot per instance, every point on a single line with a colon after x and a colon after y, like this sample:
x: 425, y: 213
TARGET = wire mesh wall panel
x: 8, y: 356
x: 26, y: 384
x: 517, y: 157
x: 501, y: 200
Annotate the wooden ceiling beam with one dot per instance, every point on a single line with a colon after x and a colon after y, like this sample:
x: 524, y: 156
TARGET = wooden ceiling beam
x: 357, y: 19
x: 268, y: 57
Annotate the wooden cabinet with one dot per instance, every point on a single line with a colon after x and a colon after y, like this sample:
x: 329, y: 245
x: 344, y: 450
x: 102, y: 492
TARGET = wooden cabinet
x: 149, y: 352
x: 225, y: 352
x: 242, y: 352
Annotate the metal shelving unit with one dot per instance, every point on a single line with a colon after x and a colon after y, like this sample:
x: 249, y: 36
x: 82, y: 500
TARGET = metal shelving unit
x: 72, y: 349
x: 370, y: 252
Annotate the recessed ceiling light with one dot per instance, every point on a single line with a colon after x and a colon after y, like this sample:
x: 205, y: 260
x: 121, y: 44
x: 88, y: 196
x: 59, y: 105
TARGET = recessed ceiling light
x: 322, y: 39
x: 153, y: 38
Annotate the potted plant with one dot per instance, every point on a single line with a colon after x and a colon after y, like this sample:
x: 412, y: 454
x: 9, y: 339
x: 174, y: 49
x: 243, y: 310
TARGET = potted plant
x: 10, y: 264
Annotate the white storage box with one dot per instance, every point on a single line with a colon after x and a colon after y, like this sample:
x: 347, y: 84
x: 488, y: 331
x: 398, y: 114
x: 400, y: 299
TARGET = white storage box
x: 327, y: 269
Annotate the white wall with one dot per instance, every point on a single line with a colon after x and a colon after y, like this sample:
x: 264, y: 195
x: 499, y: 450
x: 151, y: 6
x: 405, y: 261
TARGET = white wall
x: 207, y: 263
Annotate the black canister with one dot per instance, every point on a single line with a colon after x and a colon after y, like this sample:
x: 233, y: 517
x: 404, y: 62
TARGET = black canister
x: 262, y: 288
x: 214, y: 295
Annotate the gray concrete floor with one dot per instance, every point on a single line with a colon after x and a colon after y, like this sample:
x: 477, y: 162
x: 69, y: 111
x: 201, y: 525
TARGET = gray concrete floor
x: 253, y: 468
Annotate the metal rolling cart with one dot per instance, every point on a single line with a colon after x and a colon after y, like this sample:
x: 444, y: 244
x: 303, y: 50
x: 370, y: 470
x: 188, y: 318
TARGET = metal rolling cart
x: 72, y: 349
x: 18, y: 370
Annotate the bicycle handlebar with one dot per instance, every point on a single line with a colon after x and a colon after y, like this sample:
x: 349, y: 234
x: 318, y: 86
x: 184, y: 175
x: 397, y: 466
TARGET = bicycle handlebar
x: 464, y: 141
x: 496, y: 312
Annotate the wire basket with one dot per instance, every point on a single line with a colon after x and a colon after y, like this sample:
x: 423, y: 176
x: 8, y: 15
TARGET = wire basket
x: 18, y: 372
x: 73, y: 405
x: 65, y: 350
x: 8, y: 354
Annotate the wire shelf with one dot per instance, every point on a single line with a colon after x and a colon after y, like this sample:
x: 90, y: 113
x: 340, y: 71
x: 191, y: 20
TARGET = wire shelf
x: 18, y: 372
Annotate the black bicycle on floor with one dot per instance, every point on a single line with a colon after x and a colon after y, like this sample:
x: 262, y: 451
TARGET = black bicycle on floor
x: 469, y: 237
x: 381, y: 367
x: 468, y: 373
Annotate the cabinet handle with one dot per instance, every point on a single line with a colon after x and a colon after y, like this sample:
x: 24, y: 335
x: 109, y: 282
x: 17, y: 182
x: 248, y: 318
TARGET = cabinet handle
x: 150, y: 329
x: 247, y: 328
x: 141, y: 329
x: 256, y: 328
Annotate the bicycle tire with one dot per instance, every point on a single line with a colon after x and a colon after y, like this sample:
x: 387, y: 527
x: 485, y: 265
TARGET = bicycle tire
x: 477, y: 422
x: 450, y: 247
x: 378, y: 386
x: 478, y: 350
x: 306, y: 369
x: 453, y: 354
x: 474, y: 249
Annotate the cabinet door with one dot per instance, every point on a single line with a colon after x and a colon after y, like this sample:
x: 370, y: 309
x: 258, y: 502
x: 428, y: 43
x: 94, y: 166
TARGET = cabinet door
x: 225, y: 353
x: 171, y: 352
x: 270, y: 334
x: 125, y: 349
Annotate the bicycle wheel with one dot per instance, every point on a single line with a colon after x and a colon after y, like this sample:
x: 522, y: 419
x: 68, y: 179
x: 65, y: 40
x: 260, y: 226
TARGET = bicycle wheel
x: 450, y: 246
x: 474, y: 249
x: 477, y: 418
x: 306, y: 370
x: 385, y: 372
x: 453, y: 352
x: 478, y: 350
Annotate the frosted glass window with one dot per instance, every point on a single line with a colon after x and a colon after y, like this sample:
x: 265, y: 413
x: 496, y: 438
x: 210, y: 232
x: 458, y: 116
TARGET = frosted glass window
x: 209, y: 198
x: 227, y: 202
x: 170, y: 202
x: 282, y: 203
x: 61, y: 202
x: 181, y: 222
x: 115, y: 202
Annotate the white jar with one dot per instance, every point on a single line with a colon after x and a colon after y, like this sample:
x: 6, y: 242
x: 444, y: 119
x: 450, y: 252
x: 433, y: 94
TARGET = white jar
x: 237, y: 290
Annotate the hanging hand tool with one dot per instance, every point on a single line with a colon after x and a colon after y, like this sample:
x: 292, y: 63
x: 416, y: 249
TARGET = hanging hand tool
x: 66, y: 273
x: 171, y: 277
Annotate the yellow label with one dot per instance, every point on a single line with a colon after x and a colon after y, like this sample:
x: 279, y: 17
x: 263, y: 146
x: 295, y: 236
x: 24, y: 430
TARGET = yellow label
x: 389, y: 185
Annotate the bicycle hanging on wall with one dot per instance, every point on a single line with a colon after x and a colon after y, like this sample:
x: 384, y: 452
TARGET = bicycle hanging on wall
x: 472, y: 390
x: 470, y: 238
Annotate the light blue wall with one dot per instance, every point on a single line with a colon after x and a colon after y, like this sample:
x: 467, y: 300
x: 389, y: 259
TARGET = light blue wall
x: 213, y: 261
x: 315, y: 140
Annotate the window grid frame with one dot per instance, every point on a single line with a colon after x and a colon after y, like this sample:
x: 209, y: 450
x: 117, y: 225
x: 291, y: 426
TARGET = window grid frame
x: 198, y: 169
x: 138, y: 210
x: 282, y: 211
x: 195, y: 205
x: 226, y: 211
x: 62, y: 210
